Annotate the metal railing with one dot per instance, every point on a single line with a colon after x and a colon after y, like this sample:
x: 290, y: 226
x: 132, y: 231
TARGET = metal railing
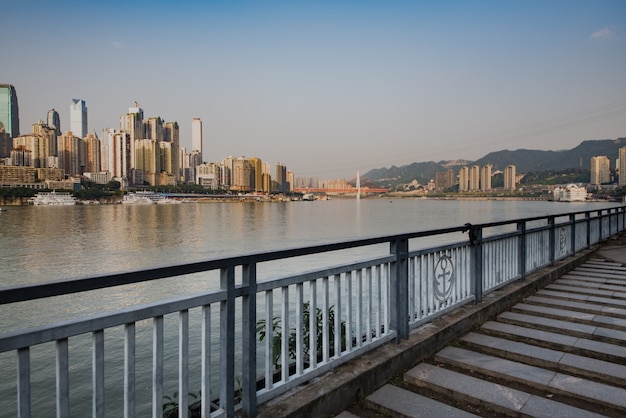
x: 248, y: 340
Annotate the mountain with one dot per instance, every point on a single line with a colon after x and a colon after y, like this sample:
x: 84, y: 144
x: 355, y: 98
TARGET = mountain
x: 525, y: 161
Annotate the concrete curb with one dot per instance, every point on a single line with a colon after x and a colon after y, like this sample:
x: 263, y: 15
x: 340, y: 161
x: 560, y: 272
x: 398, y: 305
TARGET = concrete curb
x: 335, y: 391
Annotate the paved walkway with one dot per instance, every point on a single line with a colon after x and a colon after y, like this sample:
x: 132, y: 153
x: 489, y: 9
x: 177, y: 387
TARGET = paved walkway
x: 546, y: 348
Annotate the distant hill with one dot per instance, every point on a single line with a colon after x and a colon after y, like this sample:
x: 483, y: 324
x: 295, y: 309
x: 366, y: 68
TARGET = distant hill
x: 525, y: 161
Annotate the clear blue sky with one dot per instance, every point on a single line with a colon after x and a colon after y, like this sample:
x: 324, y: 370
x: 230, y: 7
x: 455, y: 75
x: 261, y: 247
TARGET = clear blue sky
x: 330, y: 87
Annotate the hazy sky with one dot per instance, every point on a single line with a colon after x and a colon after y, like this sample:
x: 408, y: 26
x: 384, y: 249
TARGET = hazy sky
x: 329, y: 87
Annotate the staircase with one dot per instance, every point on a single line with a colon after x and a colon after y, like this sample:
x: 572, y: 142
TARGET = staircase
x: 558, y: 353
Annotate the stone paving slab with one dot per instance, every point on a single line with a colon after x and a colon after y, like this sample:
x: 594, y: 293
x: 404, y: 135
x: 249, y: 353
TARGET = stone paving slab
x: 585, y: 307
x: 597, y: 349
x: 598, y: 393
x: 603, y: 264
x: 538, y: 406
x: 582, y: 297
x: 346, y: 414
x: 578, y: 330
x: 529, y: 334
x: 601, y: 269
x: 596, y: 279
x: 577, y: 289
x: 495, y: 366
x: 599, y: 286
x: 592, y: 274
x: 501, y: 398
x: 576, y: 316
x: 609, y: 396
x: 413, y: 405
x: 538, y: 356
x: 556, y: 313
x: 607, y: 371
x: 473, y: 389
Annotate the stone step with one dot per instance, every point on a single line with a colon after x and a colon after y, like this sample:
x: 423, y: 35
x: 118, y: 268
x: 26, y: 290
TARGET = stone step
x: 395, y: 401
x: 564, y: 327
x: 346, y: 414
x: 500, y: 398
x: 581, y: 366
x: 615, y: 277
x: 597, y: 396
x: 618, y: 291
x: 555, y: 294
x: 599, y: 266
x: 584, y: 291
x: 583, y: 346
x: 619, y: 282
x: 578, y: 306
x: 571, y: 315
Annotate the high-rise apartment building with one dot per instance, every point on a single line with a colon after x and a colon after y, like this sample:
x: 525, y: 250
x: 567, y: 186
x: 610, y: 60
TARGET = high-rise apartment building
x: 600, y: 170
x: 196, y: 135
x: 54, y: 121
x: 463, y: 179
x: 485, y: 178
x: 509, y: 178
x: 281, y: 178
x: 92, y: 154
x: 78, y: 118
x: 622, y: 166
x: 118, y: 156
x: 71, y: 149
x: 474, y: 178
x: 9, y: 111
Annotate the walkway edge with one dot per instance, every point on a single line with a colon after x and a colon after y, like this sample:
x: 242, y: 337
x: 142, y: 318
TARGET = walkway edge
x: 337, y: 390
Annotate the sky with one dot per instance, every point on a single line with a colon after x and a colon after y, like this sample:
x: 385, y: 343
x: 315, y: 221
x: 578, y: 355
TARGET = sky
x: 329, y: 88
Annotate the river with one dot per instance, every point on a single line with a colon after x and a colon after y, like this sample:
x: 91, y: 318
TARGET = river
x: 39, y: 244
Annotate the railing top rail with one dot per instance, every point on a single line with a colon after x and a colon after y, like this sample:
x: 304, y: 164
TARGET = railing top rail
x: 75, y: 285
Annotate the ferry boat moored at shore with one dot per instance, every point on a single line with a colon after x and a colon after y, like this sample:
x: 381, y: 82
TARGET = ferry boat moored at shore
x: 570, y: 193
x: 53, y: 198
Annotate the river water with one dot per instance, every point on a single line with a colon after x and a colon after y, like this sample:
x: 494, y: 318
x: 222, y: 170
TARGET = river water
x: 39, y: 244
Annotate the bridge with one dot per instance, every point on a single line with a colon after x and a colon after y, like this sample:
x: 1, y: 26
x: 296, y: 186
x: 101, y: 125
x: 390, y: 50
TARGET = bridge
x: 264, y: 346
x: 350, y: 190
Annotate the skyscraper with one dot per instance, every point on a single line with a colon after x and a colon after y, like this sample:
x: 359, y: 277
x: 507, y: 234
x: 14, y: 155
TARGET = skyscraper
x: 485, y: 178
x: 78, y: 118
x: 196, y: 135
x: 9, y: 112
x: 464, y: 179
x: 600, y: 170
x: 54, y: 122
x: 509, y: 177
x: 622, y: 166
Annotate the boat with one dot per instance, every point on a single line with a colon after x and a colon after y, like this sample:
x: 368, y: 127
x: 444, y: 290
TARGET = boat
x: 146, y: 198
x: 570, y: 193
x: 53, y: 198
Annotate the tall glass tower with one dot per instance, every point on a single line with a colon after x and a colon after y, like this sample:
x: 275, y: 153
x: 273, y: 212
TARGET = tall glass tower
x: 196, y: 135
x: 54, y: 122
x: 9, y: 112
x: 78, y: 118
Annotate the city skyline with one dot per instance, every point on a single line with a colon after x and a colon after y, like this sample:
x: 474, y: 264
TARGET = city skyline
x: 332, y: 88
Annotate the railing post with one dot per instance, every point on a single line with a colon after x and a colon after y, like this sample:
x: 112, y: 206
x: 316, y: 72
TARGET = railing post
x: 476, y: 238
x: 521, y: 227
x: 572, y: 219
x: 588, y: 221
x: 227, y: 344
x: 249, y: 341
x: 399, y: 288
x: 552, y: 240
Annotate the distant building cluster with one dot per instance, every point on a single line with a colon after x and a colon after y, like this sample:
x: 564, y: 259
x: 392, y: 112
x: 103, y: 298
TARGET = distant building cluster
x: 143, y: 151
x: 147, y: 151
